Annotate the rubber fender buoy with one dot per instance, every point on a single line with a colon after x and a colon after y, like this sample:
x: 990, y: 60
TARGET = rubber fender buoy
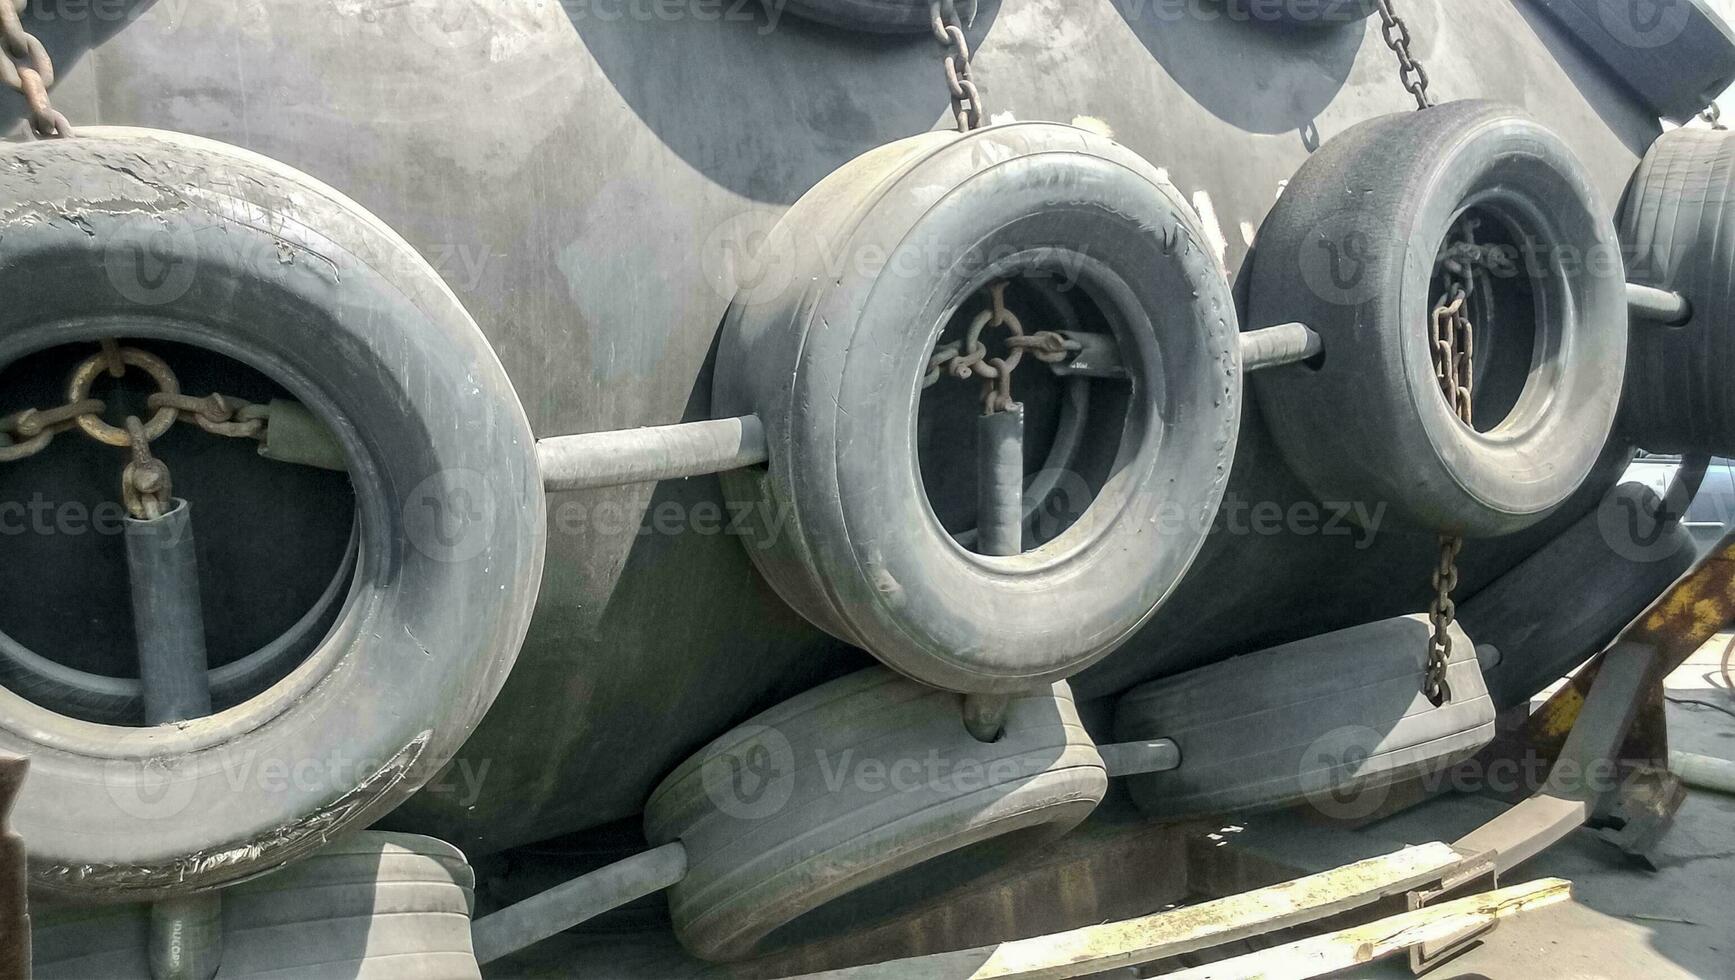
x: 266, y: 265
x: 373, y: 904
x: 1677, y: 56
x: 798, y: 823
x: 1568, y: 601
x: 874, y: 16
x: 831, y: 355
x: 1355, y: 249
x: 1678, y: 225
x: 1305, y: 14
x: 1332, y: 721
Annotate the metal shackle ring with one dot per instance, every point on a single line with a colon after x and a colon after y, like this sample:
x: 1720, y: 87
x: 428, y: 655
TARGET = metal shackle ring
x: 84, y: 376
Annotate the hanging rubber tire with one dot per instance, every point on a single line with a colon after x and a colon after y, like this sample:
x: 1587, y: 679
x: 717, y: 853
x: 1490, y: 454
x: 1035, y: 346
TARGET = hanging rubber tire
x: 1568, y: 601
x: 1332, y: 721
x: 798, y: 823
x: 374, y: 905
x: 1303, y: 14
x: 271, y: 268
x: 831, y: 356
x: 875, y: 16
x: 1353, y: 250
x: 1678, y: 225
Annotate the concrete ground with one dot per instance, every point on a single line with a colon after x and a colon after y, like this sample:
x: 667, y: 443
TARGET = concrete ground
x: 1624, y: 921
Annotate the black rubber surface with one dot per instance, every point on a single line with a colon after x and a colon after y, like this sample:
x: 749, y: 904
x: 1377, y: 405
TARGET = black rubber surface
x: 1301, y: 14
x: 809, y: 811
x: 1564, y: 604
x: 373, y: 906
x: 1330, y: 721
x: 831, y: 353
x: 877, y: 16
x: 1350, y: 249
x: 270, y: 267
x: 1678, y: 225
x: 1676, y: 55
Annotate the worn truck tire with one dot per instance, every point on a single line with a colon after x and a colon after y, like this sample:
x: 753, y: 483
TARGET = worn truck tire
x: 1678, y: 225
x: 798, y: 823
x: 1301, y: 14
x: 1352, y: 250
x: 831, y: 356
x: 274, y: 269
x: 1568, y: 601
x: 1332, y: 721
x: 372, y: 906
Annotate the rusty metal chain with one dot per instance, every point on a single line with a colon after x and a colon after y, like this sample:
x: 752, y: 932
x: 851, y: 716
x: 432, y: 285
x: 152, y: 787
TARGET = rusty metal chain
x: 145, y: 487
x: 1454, y: 356
x: 218, y: 414
x: 969, y: 358
x: 24, y: 434
x: 1435, y: 686
x: 960, y: 83
x: 1713, y: 114
x: 1397, y: 37
x: 26, y: 69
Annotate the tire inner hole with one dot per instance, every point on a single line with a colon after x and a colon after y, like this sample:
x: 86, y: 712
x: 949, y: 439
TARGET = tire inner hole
x: 1503, y: 310
x: 271, y: 537
x: 1072, y: 426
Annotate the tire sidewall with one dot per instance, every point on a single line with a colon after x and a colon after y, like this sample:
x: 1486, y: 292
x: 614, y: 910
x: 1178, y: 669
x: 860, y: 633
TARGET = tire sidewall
x: 297, y: 282
x: 1370, y: 424
x: 967, y: 213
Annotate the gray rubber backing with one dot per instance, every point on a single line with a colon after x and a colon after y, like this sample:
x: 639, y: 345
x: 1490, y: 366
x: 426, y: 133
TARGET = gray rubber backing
x: 373, y: 906
x: 1329, y: 720
x: 1565, y: 603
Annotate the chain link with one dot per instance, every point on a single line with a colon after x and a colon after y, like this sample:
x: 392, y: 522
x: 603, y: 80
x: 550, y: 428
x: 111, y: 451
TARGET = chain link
x: 1435, y: 686
x: 145, y: 486
x: 960, y: 83
x: 969, y: 358
x: 1713, y: 114
x: 1397, y: 37
x: 26, y: 69
x: 1454, y: 356
x: 24, y: 434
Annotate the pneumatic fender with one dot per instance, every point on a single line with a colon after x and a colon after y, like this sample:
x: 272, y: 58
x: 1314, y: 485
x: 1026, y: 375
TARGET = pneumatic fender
x: 830, y: 350
x: 1678, y: 226
x: 1354, y: 247
x: 874, y: 16
x: 272, y: 268
x: 1303, y: 14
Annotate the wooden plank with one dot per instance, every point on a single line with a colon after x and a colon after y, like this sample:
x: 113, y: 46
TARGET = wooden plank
x: 1095, y: 949
x: 1358, y: 945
